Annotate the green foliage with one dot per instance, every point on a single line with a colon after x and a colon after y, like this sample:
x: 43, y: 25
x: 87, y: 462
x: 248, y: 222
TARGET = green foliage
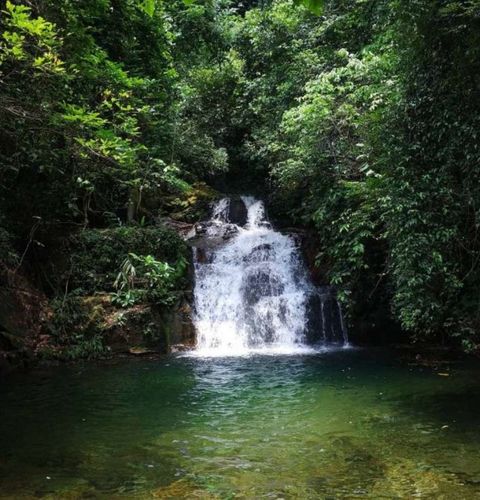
x: 360, y: 123
x: 148, y: 6
x: 315, y: 6
x: 31, y: 42
x: 75, y: 328
x: 94, y: 103
x: 430, y: 205
x: 97, y: 255
x: 365, y: 120
x: 381, y: 155
x: 143, y: 278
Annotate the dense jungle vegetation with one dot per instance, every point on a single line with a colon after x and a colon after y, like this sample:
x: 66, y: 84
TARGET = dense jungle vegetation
x: 357, y: 119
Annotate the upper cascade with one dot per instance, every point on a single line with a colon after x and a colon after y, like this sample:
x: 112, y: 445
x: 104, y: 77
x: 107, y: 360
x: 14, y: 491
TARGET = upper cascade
x: 252, y: 292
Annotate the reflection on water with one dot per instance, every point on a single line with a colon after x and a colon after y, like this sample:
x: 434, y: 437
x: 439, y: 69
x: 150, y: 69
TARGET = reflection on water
x: 347, y: 424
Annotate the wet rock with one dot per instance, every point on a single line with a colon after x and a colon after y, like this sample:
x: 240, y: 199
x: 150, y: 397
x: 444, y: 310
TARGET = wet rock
x: 140, y: 351
x: 260, y: 253
x: 323, y: 317
x: 202, y: 256
x: 201, y: 228
x: 315, y: 327
x: 146, y: 329
x: 229, y: 231
x: 265, y: 247
x: 237, y: 212
x: 210, y: 234
x: 181, y: 327
x: 261, y: 283
x: 125, y: 328
x: 180, y: 348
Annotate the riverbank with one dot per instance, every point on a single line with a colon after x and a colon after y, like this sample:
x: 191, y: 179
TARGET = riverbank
x: 89, y: 316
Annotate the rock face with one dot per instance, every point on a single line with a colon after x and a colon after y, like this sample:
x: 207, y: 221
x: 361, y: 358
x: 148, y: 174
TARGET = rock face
x: 23, y: 309
x: 237, y: 211
x: 149, y: 329
x: 324, y: 317
x: 230, y: 215
x: 24, y: 312
x: 261, y: 283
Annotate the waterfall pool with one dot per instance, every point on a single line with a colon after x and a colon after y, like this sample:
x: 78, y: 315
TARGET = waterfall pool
x: 342, y: 424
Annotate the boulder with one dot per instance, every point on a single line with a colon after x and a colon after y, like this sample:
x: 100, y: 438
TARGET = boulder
x: 237, y: 212
x: 180, y: 227
x: 146, y: 329
x: 210, y: 234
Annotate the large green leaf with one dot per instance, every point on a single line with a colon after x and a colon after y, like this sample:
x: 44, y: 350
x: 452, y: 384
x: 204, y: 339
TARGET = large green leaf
x: 148, y: 6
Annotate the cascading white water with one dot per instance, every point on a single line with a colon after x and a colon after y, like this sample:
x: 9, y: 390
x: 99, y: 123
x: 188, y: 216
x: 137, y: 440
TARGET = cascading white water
x: 251, y: 292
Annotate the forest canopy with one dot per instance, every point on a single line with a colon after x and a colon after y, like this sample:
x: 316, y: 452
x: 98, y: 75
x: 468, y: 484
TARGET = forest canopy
x: 357, y: 119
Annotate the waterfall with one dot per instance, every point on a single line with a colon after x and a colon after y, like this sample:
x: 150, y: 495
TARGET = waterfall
x: 252, y: 292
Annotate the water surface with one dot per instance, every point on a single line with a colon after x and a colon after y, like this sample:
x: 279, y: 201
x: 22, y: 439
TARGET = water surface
x: 346, y: 424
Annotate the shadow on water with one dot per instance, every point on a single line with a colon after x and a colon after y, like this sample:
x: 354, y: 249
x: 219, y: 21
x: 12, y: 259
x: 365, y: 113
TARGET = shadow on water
x: 457, y: 410
x: 89, y: 428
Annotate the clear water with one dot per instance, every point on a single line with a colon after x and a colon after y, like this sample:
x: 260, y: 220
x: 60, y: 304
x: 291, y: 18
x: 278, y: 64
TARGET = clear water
x: 344, y: 424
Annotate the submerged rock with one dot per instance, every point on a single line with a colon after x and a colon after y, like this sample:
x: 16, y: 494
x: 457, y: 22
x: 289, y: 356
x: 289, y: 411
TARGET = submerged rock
x: 182, y: 488
x: 140, y: 351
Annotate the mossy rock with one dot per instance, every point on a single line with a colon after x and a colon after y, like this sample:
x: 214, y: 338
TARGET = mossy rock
x: 192, y: 205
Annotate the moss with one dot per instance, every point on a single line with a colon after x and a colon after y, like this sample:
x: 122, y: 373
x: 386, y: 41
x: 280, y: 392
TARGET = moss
x: 192, y: 205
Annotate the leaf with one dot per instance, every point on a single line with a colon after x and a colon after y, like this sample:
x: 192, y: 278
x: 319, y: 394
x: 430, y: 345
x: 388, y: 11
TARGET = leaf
x: 148, y: 6
x: 315, y: 6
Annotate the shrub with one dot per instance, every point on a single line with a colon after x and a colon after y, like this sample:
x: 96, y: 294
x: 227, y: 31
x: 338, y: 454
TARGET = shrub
x: 97, y: 254
x: 142, y: 277
x: 75, y: 328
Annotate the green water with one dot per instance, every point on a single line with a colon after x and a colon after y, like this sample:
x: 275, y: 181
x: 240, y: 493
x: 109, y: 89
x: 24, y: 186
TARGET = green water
x: 350, y: 424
